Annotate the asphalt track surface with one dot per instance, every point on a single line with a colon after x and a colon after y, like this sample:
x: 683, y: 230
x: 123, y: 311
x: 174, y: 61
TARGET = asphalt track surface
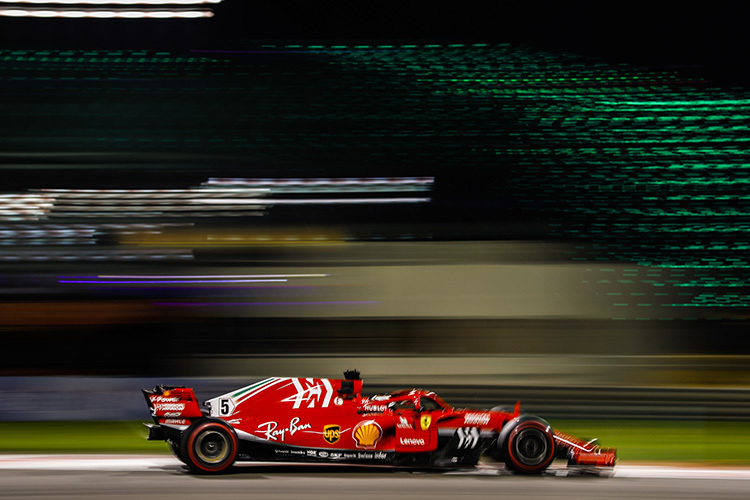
x: 119, y: 477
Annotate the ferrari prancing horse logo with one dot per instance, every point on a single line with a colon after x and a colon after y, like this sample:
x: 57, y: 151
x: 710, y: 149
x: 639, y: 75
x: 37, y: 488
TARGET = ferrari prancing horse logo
x: 425, y: 422
x: 331, y: 433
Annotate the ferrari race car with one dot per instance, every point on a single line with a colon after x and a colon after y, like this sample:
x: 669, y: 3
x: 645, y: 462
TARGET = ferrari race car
x: 328, y: 420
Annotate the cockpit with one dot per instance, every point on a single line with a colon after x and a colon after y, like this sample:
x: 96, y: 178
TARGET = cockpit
x: 413, y: 401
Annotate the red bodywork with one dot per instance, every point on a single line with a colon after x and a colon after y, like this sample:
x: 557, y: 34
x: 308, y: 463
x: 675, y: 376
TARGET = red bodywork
x: 328, y: 420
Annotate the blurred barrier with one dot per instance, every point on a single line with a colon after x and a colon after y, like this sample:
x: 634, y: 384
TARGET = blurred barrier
x: 88, y: 398
x: 605, y: 402
x: 492, y: 369
x: 118, y: 398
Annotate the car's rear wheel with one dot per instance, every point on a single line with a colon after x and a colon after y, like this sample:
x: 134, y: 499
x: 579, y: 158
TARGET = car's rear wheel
x: 209, y: 446
x: 529, y: 447
x: 174, y: 447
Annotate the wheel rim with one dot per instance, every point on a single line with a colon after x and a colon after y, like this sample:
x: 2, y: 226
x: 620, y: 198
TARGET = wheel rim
x: 530, y: 446
x: 212, y: 447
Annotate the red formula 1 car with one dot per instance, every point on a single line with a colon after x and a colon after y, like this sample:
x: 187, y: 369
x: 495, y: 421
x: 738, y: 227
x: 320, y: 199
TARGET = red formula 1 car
x: 328, y: 420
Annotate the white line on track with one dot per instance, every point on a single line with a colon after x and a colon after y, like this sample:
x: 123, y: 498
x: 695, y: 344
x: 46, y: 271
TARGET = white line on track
x: 659, y: 472
x: 134, y: 463
x: 125, y: 463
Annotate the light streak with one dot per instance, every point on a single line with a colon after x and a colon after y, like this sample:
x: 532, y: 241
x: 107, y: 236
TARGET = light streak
x: 244, y: 304
x: 99, y: 282
x: 24, y: 206
x: 114, y: 2
x: 90, y: 227
x: 36, y: 233
x: 350, y: 181
x: 323, y: 185
x: 120, y: 213
x: 163, y: 193
x: 44, y: 241
x: 115, y: 276
x: 106, y: 14
x: 218, y: 197
x: 93, y: 255
x: 320, y: 201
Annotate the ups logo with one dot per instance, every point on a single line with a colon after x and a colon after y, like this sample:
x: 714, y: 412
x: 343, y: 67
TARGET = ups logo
x: 331, y: 433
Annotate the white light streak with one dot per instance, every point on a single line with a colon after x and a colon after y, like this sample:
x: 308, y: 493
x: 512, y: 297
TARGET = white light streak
x: 319, y: 201
x: 214, y: 198
x: 92, y: 227
x: 120, y: 214
x: 114, y: 2
x: 171, y: 282
x: 106, y: 14
x: 326, y: 185
x: 213, y: 276
x: 150, y: 192
x: 24, y: 206
x: 346, y: 181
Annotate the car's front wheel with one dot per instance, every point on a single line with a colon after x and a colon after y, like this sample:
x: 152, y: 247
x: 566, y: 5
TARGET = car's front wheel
x: 209, y: 446
x: 529, y: 448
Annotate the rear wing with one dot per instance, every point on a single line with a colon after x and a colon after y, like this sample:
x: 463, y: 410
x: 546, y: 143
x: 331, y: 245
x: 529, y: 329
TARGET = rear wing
x: 168, y: 405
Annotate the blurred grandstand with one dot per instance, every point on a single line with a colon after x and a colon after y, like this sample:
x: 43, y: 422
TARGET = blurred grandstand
x: 455, y: 213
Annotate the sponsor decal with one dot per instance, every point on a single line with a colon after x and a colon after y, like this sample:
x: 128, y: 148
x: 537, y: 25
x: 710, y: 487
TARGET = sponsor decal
x: 311, y: 394
x: 360, y: 455
x: 411, y: 441
x: 375, y: 408
x: 226, y: 406
x: 367, y: 434
x: 175, y: 421
x: 403, y: 423
x: 331, y: 433
x: 241, y: 395
x: 378, y: 455
x: 163, y: 399
x: 221, y: 407
x: 169, y: 406
x: 468, y: 437
x: 169, y: 410
x: 273, y: 433
x: 425, y: 422
x: 476, y: 418
x: 312, y: 453
x: 338, y: 401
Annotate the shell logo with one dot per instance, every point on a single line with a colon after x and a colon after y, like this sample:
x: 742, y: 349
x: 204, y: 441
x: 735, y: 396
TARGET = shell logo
x: 367, y: 434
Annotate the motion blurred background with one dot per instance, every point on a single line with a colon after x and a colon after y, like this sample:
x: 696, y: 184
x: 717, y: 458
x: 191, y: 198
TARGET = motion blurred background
x: 544, y: 202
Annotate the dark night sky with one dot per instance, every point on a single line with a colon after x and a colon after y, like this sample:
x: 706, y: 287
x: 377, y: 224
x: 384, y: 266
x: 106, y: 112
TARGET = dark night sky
x: 713, y: 38
x: 712, y: 41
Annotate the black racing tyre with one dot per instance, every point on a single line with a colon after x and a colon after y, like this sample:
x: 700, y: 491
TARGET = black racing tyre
x: 209, y: 446
x: 174, y: 447
x: 529, y: 448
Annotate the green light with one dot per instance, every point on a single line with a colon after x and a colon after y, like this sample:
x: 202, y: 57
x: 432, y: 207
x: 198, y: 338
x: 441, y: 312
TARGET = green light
x: 644, y: 167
